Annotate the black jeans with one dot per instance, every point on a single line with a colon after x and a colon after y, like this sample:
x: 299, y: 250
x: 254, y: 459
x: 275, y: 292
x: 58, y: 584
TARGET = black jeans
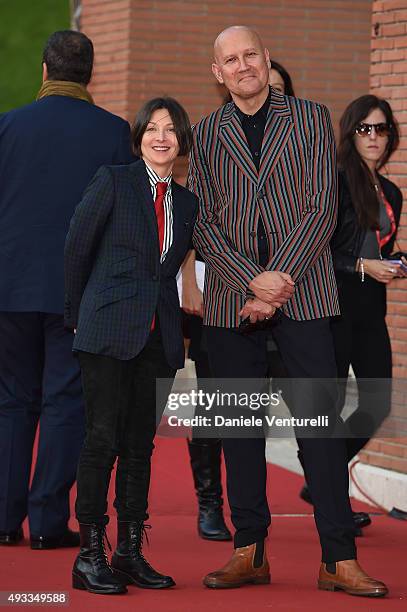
x: 121, y: 421
x: 306, y: 348
x: 361, y: 339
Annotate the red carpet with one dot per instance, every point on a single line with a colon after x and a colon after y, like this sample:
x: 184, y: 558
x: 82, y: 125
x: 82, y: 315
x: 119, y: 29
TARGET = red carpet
x: 176, y: 549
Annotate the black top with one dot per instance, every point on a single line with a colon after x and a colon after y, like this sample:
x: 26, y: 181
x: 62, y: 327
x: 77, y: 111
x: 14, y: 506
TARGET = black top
x: 347, y: 241
x: 253, y: 127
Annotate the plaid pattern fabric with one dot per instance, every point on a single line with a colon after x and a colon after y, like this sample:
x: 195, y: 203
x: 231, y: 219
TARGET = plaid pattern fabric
x: 114, y: 281
x: 295, y: 193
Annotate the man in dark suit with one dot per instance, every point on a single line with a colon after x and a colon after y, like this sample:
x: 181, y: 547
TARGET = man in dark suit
x: 49, y: 150
x: 263, y: 167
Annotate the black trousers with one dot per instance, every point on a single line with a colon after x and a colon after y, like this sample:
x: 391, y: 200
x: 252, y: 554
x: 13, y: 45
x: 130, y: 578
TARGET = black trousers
x: 198, y: 353
x: 361, y: 339
x: 306, y: 349
x: 121, y: 421
x: 39, y: 386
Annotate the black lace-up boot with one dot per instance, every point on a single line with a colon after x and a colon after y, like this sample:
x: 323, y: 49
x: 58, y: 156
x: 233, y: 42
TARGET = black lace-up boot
x: 128, y: 562
x: 91, y: 571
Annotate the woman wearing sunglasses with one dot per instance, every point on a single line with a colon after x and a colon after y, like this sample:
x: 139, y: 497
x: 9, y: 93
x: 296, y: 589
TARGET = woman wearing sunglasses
x: 368, y: 218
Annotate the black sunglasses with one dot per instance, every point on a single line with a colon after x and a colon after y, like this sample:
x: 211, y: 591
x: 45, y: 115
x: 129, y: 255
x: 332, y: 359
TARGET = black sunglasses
x: 365, y: 129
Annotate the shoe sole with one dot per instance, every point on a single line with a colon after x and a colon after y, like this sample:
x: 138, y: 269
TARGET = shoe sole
x: 41, y: 546
x: 227, y: 585
x: 79, y: 584
x: 331, y: 586
x: 128, y: 580
x: 215, y: 538
x: 364, y: 524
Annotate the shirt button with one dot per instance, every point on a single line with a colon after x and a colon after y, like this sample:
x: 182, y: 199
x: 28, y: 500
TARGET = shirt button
x: 254, y: 125
x: 256, y: 153
x: 253, y: 234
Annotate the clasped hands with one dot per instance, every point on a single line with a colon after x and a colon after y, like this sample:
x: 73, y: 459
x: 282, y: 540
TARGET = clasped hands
x: 271, y: 290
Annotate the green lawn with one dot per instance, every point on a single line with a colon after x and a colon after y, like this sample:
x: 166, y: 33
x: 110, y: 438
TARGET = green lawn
x: 24, y: 27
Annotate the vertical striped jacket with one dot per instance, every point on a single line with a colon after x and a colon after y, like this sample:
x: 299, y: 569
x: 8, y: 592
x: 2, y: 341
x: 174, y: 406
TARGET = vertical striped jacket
x: 295, y: 192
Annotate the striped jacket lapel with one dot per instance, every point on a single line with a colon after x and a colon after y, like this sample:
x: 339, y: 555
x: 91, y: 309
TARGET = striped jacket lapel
x: 278, y: 128
x: 233, y: 139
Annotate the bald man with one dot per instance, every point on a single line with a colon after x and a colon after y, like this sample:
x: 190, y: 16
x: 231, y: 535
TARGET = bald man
x: 264, y: 169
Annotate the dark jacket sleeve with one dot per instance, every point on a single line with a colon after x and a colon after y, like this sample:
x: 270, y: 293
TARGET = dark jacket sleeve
x: 349, y: 235
x: 85, y: 232
x: 347, y: 232
x: 123, y: 153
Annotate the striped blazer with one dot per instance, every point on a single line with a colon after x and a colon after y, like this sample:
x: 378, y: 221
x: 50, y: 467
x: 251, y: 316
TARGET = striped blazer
x: 295, y: 192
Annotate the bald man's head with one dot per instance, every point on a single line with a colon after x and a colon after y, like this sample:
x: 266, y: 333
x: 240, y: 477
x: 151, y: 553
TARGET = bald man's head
x: 230, y: 33
x: 241, y: 61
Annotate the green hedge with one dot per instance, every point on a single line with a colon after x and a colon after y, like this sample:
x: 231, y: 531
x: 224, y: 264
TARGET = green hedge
x: 24, y: 27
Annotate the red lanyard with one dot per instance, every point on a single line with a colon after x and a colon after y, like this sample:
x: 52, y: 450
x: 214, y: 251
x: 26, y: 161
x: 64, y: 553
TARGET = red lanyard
x: 390, y: 214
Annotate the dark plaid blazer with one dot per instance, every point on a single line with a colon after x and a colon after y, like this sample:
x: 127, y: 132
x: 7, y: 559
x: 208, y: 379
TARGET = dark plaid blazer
x: 295, y: 192
x: 114, y: 281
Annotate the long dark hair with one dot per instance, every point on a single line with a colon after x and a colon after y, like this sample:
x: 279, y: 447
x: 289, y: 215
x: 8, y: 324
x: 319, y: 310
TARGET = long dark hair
x: 288, y: 84
x: 358, y: 175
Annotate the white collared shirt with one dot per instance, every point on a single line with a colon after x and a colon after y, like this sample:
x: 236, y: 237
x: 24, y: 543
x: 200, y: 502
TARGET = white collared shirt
x: 168, y: 217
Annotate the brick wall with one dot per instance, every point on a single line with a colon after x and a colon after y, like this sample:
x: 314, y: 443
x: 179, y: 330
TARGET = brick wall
x: 388, y: 79
x: 108, y: 23
x: 166, y: 47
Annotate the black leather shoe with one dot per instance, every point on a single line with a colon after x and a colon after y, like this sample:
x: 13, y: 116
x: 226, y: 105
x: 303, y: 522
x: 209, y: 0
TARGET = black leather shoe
x: 69, y: 539
x: 11, y: 538
x: 306, y: 495
x: 212, y: 526
x: 91, y: 571
x: 361, y: 519
x: 205, y: 463
x: 128, y: 562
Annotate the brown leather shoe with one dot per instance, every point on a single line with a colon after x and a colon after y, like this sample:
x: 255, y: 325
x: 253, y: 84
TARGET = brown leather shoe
x: 350, y: 577
x: 240, y: 570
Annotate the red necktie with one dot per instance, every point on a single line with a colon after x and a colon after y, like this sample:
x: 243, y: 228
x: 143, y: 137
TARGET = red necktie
x: 161, y: 189
x: 159, y: 211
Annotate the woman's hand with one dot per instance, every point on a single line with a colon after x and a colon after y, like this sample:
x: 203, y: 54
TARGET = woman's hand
x: 192, y: 299
x: 381, y: 270
x: 401, y: 272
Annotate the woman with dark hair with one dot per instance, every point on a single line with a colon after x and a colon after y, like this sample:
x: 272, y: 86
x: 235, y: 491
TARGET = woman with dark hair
x: 279, y: 79
x: 127, y: 240
x: 368, y: 218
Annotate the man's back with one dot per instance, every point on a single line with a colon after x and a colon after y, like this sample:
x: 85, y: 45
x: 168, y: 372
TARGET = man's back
x: 49, y: 151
